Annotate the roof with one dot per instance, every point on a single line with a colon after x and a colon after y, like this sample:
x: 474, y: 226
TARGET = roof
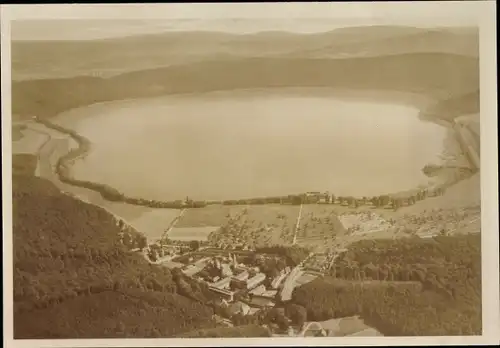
x: 242, y: 276
x: 257, y: 277
x: 269, y: 293
x: 258, y: 290
x: 261, y: 302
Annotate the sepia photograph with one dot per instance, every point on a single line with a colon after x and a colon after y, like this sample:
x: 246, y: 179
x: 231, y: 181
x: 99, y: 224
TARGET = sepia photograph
x: 249, y: 171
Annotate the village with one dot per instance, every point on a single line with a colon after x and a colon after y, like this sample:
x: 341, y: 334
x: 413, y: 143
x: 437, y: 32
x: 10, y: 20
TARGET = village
x: 246, y: 274
x: 249, y: 283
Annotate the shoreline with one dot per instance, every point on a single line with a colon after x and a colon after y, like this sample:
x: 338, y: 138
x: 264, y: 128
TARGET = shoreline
x: 107, y: 192
x: 413, y: 99
x: 113, y: 195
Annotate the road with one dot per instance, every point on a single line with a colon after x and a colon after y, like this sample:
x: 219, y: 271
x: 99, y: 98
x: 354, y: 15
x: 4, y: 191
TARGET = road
x: 469, y: 144
x: 297, y: 226
x: 289, y: 284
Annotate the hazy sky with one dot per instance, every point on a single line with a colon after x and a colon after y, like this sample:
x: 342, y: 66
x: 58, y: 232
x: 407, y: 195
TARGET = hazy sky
x: 129, y: 19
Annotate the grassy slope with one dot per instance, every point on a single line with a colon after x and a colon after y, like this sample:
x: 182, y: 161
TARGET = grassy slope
x: 69, y: 266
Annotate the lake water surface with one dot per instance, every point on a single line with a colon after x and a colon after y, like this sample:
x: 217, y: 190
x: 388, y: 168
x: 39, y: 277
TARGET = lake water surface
x: 225, y: 145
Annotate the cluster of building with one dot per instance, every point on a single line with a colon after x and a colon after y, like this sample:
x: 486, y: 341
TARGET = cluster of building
x: 246, y: 279
x: 230, y: 280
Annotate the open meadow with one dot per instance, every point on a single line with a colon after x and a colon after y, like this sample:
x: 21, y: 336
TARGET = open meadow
x: 211, y: 215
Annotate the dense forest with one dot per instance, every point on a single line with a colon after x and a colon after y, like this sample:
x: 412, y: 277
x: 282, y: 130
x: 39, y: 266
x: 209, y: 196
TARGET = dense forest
x: 71, y: 265
x: 403, y: 287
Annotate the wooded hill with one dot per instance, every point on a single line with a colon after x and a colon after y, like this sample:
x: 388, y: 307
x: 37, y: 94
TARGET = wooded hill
x: 70, y: 266
x: 405, y: 287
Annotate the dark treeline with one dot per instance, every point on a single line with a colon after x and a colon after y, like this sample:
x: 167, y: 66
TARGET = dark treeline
x: 394, y: 201
x: 403, y: 287
x: 72, y: 265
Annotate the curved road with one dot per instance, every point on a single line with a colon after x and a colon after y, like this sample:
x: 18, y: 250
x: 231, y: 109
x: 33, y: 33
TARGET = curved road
x: 290, y: 282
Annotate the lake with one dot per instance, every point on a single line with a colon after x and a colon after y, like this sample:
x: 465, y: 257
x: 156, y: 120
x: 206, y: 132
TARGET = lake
x: 231, y: 145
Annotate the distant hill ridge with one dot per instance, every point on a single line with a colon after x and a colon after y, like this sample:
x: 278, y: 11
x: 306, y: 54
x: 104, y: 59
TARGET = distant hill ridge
x: 111, y: 56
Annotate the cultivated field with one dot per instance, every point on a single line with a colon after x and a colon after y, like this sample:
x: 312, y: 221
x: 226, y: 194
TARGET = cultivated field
x: 259, y: 225
x: 363, y: 223
x: 319, y: 226
x: 212, y: 215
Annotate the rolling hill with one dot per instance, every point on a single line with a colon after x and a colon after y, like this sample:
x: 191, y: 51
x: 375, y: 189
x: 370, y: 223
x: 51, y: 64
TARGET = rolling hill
x: 107, y: 57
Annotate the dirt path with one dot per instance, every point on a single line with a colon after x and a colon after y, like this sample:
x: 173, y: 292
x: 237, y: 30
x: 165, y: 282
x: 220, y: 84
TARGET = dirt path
x: 173, y: 223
